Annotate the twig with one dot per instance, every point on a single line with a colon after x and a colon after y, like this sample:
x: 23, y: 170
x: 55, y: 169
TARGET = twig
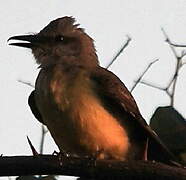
x: 178, y: 66
x: 168, y: 41
x: 171, y: 87
x: 152, y: 85
x: 27, y: 83
x: 44, y: 131
x: 174, y: 83
x: 34, y: 152
x: 119, y: 52
x: 140, y: 77
x: 177, y: 45
x: 156, y: 87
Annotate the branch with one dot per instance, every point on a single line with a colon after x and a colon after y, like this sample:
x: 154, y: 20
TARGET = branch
x: 139, y: 79
x: 119, y: 52
x: 102, y: 169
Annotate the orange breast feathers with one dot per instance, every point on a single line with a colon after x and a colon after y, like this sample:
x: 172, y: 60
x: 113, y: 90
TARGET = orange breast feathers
x: 95, y: 128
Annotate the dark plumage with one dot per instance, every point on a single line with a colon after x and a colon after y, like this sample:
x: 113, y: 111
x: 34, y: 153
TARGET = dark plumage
x: 86, y: 107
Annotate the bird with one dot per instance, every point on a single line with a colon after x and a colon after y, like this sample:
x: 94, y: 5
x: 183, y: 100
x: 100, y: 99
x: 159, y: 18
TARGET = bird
x: 87, y: 108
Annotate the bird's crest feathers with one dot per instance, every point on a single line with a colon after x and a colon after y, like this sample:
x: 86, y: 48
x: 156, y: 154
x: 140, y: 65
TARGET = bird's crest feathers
x: 65, y: 25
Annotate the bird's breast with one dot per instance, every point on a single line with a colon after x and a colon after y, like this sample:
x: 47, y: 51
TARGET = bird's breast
x: 78, y: 121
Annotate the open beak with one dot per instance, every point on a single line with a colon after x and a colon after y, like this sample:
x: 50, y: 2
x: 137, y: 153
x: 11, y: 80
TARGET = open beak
x: 31, y: 41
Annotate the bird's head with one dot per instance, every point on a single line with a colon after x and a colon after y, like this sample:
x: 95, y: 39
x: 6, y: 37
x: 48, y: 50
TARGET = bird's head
x: 60, y: 39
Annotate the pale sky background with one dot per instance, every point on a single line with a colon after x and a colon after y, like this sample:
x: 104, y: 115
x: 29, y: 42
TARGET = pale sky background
x: 108, y: 23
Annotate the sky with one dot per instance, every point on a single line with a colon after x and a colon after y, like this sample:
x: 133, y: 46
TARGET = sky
x: 108, y: 23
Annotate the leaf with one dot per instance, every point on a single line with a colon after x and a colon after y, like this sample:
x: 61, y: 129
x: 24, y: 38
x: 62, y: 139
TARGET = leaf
x: 170, y: 126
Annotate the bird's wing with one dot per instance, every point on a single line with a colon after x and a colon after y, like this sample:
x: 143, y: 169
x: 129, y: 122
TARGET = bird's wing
x: 114, y: 92
x: 33, y: 107
x: 110, y: 86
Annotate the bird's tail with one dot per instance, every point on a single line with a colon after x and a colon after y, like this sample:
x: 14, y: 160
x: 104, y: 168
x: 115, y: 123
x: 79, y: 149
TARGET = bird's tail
x: 159, y: 152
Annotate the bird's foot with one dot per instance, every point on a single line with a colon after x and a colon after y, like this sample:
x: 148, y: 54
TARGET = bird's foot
x: 61, y: 153
x: 98, y: 155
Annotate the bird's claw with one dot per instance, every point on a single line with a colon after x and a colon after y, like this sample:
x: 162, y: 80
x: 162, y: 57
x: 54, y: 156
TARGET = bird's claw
x: 63, y: 154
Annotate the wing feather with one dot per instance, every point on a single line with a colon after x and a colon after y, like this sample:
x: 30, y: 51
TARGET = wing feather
x: 33, y: 107
x: 112, y: 88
